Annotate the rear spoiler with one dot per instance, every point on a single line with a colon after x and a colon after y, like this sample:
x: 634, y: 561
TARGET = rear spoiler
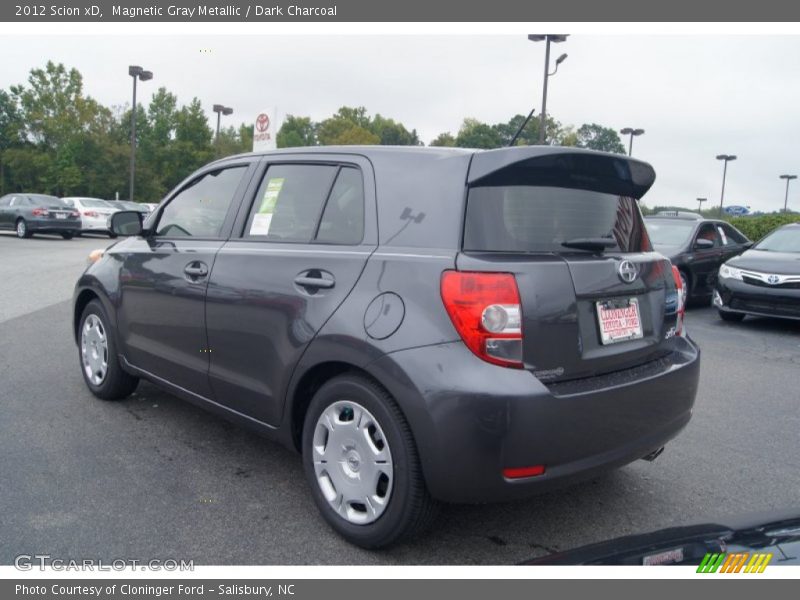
x: 560, y: 166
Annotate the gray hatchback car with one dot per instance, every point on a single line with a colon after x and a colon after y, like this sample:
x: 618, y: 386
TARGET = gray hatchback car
x: 421, y: 324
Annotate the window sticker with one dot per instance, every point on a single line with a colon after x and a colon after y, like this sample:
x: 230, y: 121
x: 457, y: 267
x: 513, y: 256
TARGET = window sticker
x: 263, y: 218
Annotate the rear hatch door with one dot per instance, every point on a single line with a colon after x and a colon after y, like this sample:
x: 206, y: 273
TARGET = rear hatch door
x: 595, y: 297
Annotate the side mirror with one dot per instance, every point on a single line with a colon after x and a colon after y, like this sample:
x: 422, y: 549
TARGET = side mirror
x: 748, y: 245
x: 703, y: 244
x: 126, y: 222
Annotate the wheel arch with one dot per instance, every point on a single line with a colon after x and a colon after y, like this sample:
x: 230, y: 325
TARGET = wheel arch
x: 307, y: 385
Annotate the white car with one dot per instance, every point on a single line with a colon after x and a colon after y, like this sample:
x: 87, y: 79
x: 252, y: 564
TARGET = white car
x: 94, y: 213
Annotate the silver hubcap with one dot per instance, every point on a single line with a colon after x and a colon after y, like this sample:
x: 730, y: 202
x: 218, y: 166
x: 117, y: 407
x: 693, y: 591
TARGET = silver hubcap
x: 352, y: 462
x: 21, y: 229
x: 684, y: 290
x: 94, y: 349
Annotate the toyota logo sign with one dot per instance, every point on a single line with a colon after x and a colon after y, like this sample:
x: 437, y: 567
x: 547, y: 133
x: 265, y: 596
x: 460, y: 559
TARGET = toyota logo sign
x: 627, y: 271
x: 262, y: 123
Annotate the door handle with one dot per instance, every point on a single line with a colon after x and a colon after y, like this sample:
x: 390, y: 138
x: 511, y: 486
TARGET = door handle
x: 313, y: 282
x: 196, y: 269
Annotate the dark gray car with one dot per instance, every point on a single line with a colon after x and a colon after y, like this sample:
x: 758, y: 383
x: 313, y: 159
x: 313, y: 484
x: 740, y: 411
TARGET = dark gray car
x: 421, y: 324
x: 27, y: 214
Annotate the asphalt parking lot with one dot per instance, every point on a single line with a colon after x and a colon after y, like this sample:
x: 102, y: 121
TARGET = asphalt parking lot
x: 154, y: 477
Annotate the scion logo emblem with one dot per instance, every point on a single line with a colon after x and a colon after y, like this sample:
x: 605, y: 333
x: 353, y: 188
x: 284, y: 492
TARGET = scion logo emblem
x: 627, y: 271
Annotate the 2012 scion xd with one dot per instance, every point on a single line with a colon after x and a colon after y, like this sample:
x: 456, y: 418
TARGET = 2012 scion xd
x: 420, y: 324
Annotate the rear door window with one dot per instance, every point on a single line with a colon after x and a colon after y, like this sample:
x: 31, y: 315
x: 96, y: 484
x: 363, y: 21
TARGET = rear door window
x: 525, y: 218
x: 343, y: 218
x: 289, y: 202
x: 732, y: 235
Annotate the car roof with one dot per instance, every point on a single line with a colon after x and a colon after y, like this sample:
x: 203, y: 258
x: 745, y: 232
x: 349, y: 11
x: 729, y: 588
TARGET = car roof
x: 631, y: 177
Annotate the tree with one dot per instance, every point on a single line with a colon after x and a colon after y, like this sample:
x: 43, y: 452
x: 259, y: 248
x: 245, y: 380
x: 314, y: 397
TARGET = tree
x: 475, y: 134
x: 444, y: 139
x: 392, y: 133
x: 296, y: 132
x: 597, y: 137
x: 11, y: 127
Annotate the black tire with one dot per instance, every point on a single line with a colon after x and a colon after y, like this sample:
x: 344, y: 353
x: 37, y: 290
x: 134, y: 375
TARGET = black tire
x: 117, y: 383
x: 410, y: 509
x: 67, y: 235
x: 22, y: 230
x: 731, y: 317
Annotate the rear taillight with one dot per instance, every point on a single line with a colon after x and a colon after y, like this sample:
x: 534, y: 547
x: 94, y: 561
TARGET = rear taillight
x: 40, y: 212
x: 90, y: 213
x: 486, y: 312
x: 75, y: 213
x: 676, y: 275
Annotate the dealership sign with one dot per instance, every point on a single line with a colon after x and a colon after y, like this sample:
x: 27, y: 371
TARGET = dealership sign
x: 264, y: 131
x: 737, y: 210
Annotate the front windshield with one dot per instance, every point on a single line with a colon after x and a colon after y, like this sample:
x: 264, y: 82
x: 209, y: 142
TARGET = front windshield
x: 669, y: 233
x: 782, y: 240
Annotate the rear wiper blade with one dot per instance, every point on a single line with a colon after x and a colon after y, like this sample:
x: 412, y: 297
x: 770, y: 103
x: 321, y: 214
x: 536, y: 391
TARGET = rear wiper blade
x: 591, y: 244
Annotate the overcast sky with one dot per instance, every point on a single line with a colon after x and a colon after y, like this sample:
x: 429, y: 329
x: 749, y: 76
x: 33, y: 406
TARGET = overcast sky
x: 696, y: 96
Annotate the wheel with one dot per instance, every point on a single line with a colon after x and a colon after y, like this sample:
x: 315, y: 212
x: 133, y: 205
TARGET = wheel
x: 731, y: 317
x: 22, y: 229
x: 361, y: 462
x: 685, y: 288
x: 97, y: 353
x: 67, y: 235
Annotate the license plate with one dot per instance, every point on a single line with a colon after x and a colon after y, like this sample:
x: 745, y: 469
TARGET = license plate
x: 619, y: 320
x: 61, y: 216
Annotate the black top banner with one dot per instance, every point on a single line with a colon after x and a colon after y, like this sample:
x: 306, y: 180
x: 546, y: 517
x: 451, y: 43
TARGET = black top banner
x: 402, y: 10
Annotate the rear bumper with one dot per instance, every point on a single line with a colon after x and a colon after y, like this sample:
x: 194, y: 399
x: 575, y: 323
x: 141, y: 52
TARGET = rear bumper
x: 735, y: 296
x: 471, y: 419
x: 54, y: 225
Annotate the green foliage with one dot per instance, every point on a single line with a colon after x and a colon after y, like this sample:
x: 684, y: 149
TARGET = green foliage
x: 349, y: 126
x: 56, y: 139
x: 474, y: 134
x: 297, y: 132
x: 756, y: 227
x: 444, y: 139
x: 597, y: 137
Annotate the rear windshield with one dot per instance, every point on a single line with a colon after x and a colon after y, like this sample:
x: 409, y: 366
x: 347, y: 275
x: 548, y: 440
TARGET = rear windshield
x: 95, y: 203
x: 669, y: 233
x: 526, y: 218
x: 43, y: 199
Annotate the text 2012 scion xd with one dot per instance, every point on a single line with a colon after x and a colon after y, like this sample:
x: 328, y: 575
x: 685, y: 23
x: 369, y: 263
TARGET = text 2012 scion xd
x: 421, y: 324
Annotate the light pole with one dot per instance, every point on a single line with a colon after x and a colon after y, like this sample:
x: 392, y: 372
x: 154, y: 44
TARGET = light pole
x: 727, y: 158
x: 547, y: 38
x: 631, y: 132
x: 136, y: 73
x: 788, y: 178
x: 221, y: 110
x: 700, y: 203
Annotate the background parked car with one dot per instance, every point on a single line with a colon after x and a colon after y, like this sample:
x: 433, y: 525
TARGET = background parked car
x: 764, y: 281
x: 139, y: 206
x: 697, y: 246
x: 38, y: 213
x: 94, y: 213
